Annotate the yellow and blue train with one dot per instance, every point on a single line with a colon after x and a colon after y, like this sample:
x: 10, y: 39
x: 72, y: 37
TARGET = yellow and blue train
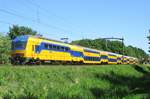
x: 37, y: 50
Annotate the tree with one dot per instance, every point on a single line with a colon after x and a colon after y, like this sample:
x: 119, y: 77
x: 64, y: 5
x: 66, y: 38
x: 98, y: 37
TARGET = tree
x: 16, y: 30
x: 5, y: 46
x: 115, y: 46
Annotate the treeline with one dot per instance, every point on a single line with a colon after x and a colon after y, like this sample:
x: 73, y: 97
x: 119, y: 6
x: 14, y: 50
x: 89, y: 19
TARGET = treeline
x: 112, y: 46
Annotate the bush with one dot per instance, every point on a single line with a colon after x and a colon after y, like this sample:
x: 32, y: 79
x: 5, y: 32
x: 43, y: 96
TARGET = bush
x: 5, y: 46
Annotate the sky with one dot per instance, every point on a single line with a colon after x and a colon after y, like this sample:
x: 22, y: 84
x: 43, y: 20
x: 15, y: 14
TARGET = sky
x: 80, y: 19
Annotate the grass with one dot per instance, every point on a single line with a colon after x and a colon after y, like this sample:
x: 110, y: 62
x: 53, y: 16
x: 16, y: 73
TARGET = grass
x: 75, y: 82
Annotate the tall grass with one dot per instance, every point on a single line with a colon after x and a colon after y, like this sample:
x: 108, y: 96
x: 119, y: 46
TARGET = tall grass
x: 75, y: 82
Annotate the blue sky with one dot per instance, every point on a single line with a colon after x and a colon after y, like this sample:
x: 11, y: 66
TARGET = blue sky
x: 77, y: 19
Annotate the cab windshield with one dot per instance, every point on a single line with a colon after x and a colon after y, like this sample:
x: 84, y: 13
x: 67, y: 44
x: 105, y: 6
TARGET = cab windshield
x: 19, y: 45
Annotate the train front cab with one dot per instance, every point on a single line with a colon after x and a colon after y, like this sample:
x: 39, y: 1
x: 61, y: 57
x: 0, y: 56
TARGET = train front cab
x: 19, y: 49
x: 24, y: 49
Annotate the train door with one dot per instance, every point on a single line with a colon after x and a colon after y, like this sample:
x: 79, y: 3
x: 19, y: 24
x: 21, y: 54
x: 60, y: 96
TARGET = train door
x: 33, y: 51
x: 37, y: 51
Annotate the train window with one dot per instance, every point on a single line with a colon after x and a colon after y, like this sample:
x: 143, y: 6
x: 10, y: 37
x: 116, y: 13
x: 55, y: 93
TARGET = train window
x: 46, y: 46
x: 88, y: 58
x: 91, y: 51
x: 50, y: 46
x: 85, y: 58
x: 62, y: 48
x: 66, y: 49
x: 58, y: 47
x: 19, y: 45
x: 103, y: 56
x: 54, y: 47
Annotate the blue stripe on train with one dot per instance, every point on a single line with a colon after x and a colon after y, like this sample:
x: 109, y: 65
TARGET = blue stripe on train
x: 76, y: 53
x: 87, y: 58
x: 60, y: 48
x: 51, y: 47
x: 112, y: 60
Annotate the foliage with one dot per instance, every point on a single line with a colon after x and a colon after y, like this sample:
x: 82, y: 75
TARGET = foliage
x: 74, y: 82
x: 5, y: 45
x: 112, y: 46
x: 137, y: 52
x: 16, y: 30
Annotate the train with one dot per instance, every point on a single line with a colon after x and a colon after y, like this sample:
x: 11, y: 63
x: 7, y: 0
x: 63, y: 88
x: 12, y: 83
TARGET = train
x: 27, y: 49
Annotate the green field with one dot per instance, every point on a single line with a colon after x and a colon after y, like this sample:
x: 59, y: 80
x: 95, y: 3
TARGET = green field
x: 75, y: 82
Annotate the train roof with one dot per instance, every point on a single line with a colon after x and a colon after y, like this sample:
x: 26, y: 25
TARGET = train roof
x: 40, y: 37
